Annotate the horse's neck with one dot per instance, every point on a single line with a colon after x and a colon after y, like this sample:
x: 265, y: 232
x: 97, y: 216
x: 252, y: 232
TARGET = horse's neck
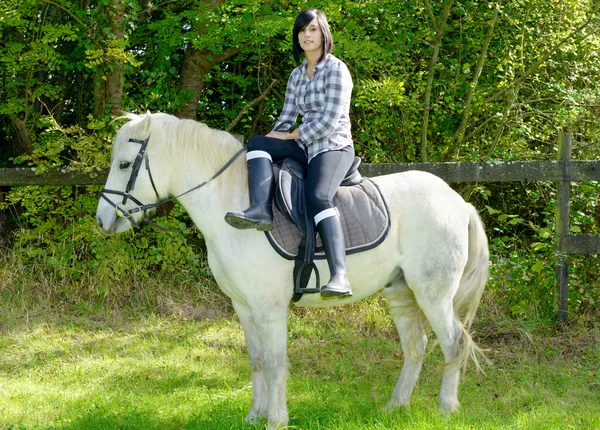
x: 208, y: 205
x: 199, y: 155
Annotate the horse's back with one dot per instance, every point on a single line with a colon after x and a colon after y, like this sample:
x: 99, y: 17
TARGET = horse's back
x: 419, y: 193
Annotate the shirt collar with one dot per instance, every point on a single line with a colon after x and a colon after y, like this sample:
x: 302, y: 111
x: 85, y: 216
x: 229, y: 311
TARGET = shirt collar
x: 319, y: 65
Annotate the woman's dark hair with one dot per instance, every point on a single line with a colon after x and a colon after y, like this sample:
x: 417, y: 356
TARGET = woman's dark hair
x: 303, y: 19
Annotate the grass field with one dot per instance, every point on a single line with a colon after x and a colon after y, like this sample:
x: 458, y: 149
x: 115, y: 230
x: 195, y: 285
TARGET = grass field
x: 185, y: 367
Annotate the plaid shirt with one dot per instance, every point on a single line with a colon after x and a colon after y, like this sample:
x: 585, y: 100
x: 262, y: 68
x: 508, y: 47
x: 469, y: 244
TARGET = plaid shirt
x: 324, y: 104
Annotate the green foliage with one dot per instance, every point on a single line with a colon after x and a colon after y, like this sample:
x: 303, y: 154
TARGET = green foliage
x: 383, y: 103
x: 69, y: 251
x: 522, y: 251
x: 539, y: 76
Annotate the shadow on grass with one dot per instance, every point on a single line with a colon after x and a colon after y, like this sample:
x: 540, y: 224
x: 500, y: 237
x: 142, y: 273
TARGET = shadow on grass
x: 222, y: 417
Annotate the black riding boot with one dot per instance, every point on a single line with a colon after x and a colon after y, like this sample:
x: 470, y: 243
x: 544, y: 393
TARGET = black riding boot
x: 332, y: 237
x: 261, y: 185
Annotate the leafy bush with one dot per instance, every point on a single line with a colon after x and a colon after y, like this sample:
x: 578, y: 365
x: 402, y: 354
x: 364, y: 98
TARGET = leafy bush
x: 61, y: 63
x: 523, y: 252
x: 63, y: 257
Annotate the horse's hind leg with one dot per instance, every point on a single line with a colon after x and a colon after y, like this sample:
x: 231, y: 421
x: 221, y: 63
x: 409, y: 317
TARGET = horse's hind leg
x: 409, y: 322
x: 439, y: 312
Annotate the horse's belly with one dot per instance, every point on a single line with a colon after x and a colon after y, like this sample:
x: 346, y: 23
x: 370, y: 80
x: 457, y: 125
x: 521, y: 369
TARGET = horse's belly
x: 368, y: 272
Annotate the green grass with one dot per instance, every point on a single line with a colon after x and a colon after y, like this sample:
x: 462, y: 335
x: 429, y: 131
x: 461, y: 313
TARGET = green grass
x: 183, y: 367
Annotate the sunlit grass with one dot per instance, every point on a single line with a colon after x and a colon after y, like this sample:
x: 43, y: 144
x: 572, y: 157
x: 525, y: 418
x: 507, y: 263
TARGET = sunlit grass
x: 140, y: 370
x: 149, y: 373
x: 150, y: 355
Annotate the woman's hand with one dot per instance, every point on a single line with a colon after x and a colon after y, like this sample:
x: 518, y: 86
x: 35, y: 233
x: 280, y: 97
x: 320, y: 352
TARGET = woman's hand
x: 284, y: 135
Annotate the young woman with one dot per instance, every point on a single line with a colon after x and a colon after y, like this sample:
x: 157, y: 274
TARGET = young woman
x: 319, y: 91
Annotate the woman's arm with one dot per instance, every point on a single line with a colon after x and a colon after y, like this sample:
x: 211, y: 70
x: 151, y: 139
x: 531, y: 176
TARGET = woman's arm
x: 284, y: 135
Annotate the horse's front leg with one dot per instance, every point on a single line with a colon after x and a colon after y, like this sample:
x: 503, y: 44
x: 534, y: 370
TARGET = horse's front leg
x: 265, y: 329
x: 271, y: 324
x: 260, y: 400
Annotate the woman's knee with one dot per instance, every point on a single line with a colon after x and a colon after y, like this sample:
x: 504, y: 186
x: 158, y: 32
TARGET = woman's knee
x: 318, y: 202
x: 257, y: 143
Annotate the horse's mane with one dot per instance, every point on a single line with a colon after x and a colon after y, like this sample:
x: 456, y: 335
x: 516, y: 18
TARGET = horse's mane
x: 193, y: 143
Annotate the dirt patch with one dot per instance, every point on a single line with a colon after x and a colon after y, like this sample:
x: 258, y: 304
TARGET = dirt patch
x: 212, y: 307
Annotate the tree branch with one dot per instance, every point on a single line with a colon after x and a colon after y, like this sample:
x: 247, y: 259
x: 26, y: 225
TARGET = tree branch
x: 460, y: 132
x: 502, y: 126
x: 249, y: 105
x: 72, y: 15
x: 535, y: 66
x: 439, y: 30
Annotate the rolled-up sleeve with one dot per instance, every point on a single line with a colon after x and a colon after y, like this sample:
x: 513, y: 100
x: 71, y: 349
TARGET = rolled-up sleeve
x: 338, y: 90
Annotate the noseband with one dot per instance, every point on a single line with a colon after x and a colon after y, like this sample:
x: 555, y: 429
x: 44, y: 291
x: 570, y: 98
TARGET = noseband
x: 123, y: 212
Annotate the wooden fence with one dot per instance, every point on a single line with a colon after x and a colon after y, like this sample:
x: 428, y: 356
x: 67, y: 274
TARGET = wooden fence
x: 564, y: 170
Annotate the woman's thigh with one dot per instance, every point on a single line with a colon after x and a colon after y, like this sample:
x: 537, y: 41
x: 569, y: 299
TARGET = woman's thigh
x: 326, y: 172
x: 277, y: 148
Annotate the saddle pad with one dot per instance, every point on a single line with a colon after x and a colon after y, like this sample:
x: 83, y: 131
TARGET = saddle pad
x: 365, y: 219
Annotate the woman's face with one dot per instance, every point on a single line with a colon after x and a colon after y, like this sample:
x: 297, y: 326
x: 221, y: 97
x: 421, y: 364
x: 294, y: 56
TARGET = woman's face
x: 310, y: 37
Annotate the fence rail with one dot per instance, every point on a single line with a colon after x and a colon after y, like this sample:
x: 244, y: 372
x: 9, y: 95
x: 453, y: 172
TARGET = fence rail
x: 493, y: 171
x: 563, y: 171
x: 22, y: 176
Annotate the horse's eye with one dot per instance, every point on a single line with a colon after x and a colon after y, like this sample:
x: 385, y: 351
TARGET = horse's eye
x: 124, y: 165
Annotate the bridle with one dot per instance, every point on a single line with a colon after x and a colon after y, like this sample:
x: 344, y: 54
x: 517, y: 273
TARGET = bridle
x: 123, y: 212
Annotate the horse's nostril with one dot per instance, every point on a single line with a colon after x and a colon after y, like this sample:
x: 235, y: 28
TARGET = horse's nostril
x: 99, y: 220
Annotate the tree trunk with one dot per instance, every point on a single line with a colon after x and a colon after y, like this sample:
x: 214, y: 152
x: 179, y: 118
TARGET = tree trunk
x: 108, y: 88
x: 196, y: 65
x: 457, y: 139
x: 4, y: 217
x: 193, y: 74
x: 24, y: 143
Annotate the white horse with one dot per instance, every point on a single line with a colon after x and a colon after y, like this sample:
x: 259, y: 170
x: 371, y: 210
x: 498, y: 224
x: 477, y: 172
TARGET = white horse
x: 433, y: 263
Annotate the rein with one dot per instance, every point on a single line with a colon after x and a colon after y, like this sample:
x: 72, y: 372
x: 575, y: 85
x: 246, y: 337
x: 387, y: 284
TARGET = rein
x: 123, y: 212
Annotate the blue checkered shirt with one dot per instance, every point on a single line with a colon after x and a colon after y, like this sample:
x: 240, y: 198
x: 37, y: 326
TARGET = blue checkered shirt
x: 323, y: 102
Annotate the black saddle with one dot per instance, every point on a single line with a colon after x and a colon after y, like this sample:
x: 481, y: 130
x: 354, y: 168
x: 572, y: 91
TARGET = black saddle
x: 364, y: 214
x: 290, y: 194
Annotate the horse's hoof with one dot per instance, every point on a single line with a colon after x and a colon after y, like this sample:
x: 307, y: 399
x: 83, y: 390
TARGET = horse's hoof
x: 277, y: 425
x: 448, y: 409
x: 254, y: 420
x: 393, y: 406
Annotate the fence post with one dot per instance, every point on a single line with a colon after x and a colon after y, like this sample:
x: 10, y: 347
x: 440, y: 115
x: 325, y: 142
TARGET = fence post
x: 562, y: 226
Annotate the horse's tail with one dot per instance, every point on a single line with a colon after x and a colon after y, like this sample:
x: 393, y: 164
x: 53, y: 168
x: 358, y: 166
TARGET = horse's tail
x: 472, y: 284
x: 475, y: 275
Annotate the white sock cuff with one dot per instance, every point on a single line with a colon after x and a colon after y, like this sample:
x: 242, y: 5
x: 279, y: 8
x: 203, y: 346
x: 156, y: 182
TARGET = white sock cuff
x: 325, y: 214
x: 258, y: 154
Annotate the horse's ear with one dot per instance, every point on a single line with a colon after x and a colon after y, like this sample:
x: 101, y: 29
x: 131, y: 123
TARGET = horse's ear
x: 142, y: 129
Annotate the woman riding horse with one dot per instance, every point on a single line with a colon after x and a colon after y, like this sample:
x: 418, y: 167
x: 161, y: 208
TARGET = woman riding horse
x: 319, y: 90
